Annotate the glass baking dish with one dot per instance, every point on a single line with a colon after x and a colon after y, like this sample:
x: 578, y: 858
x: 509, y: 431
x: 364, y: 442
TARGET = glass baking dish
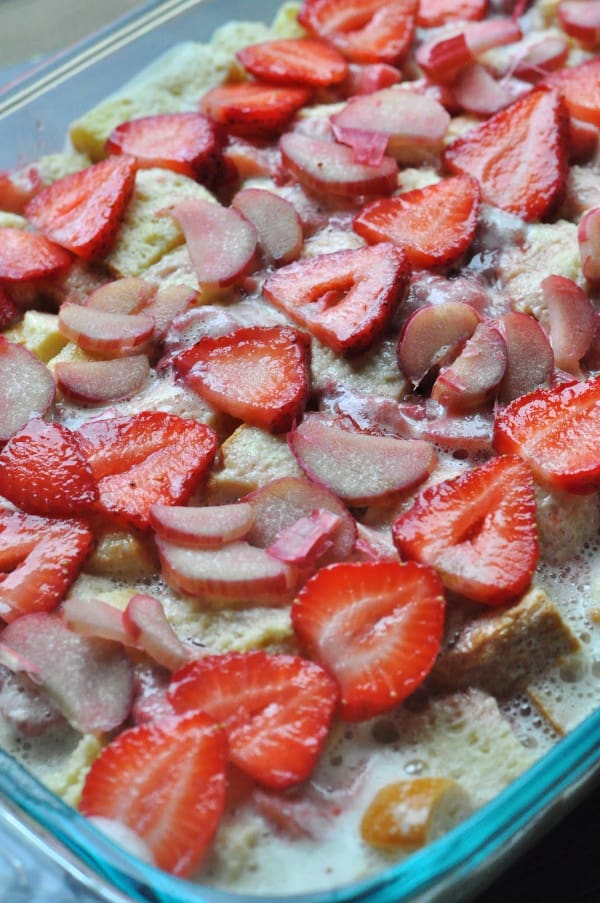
x: 35, y: 112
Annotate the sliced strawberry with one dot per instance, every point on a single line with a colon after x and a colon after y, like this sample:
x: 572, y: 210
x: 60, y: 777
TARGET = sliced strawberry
x: 556, y: 432
x: 376, y: 626
x: 43, y: 470
x: 478, y: 530
x: 519, y: 156
x: 146, y: 458
x: 39, y: 559
x: 82, y: 211
x: 433, y: 225
x: 184, y: 142
x: 365, y: 31
x: 433, y: 13
x: 580, y: 89
x: 257, y: 373
x: 17, y: 187
x: 166, y: 782
x: 347, y: 298
x: 330, y: 168
x: 25, y: 256
x: 296, y: 61
x: 276, y: 710
x: 253, y: 109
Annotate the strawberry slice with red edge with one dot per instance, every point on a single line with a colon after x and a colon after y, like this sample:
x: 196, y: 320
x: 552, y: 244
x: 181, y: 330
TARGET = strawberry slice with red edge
x: 253, y: 109
x: 25, y: 256
x: 276, y: 710
x: 364, y: 31
x: 184, y: 142
x: 166, y: 782
x: 347, y: 298
x: 295, y: 61
x: 556, y: 432
x: 518, y: 156
x: 43, y: 470
x: 82, y: 211
x: 259, y: 374
x: 478, y: 530
x: 376, y: 626
x: 17, y: 187
x: 39, y: 559
x: 433, y: 13
x: 433, y: 224
x: 144, y: 459
x: 580, y: 89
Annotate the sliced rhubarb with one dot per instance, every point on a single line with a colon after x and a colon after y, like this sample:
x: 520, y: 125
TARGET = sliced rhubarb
x: 307, y: 540
x: 472, y: 378
x: 433, y: 336
x: 237, y: 572
x: 375, y: 467
x: 28, y: 387
x: 122, y: 296
x: 572, y: 321
x: 93, y: 617
x: 279, y: 505
x: 331, y: 168
x: 413, y: 124
x: 588, y: 235
x: 581, y: 20
x: 102, y: 332
x: 221, y: 242
x: 530, y: 361
x: 146, y: 622
x: 100, y: 382
x: 202, y: 527
x: 276, y: 222
x: 88, y: 679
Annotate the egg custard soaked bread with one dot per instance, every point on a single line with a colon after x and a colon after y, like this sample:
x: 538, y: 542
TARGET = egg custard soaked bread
x: 300, y: 464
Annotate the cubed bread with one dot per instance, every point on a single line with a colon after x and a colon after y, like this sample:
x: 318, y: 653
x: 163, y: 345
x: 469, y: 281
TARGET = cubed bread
x: 499, y: 650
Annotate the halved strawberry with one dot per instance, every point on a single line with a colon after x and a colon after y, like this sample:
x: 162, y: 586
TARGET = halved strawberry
x: 166, y: 782
x: 346, y: 298
x: 276, y: 710
x: 17, y: 187
x: 519, y: 156
x: 433, y: 225
x: 253, y: 109
x: 82, y: 211
x: 295, y: 61
x: 25, y: 256
x: 478, y: 530
x: 183, y: 142
x: 376, y: 626
x: 365, y: 31
x: 556, y: 432
x: 146, y: 458
x: 433, y: 13
x: 39, y: 559
x: 43, y: 470
x: 580, y: 89
x: 259, y: 374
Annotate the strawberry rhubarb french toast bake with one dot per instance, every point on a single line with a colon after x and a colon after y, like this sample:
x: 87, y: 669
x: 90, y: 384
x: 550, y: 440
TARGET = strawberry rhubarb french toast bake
x: 300, y: 435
